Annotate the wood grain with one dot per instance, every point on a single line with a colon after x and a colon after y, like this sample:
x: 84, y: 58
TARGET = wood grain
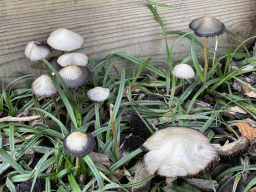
x: 114, y: 25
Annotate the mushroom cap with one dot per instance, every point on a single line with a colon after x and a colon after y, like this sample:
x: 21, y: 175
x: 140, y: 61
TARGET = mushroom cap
x: 75, y: 76
x: 79, y: 144
x: 183, y: 71
x: 98, y: 94
x: 43, y: 86
x: 207, y: 26
x: 234, y: 149
x: 35, y: 50
x: 73, y: 59
x: 65, y: 40
x: 177, y: 152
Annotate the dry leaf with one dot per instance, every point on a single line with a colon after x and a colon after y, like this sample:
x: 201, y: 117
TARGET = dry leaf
x: 247, y: 131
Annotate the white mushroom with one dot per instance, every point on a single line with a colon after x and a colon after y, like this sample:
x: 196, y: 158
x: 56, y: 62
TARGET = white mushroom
x: 35, y: 50
x: 98, y: 94
x: 79, y: 144
x: 43, y: 86
x: 178, y: 151
x: 75, y: 76
x: 65, y: 40
x: 183, y: 71
x: 73, y: 59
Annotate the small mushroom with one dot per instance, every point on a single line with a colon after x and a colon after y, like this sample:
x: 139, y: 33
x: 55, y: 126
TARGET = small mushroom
x: 35, y: 50
x: 75, y: 76
x: 183, y: 71
x: 98, y: 94
x: 178, y: 152
x: 73, y: 59
x: 207, y: 26
x: 78, y: 144
x: 65, y: 40
x: 43, y: 86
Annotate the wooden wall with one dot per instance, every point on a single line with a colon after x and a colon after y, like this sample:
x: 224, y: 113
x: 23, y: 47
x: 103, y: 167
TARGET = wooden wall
x: 114, y: 25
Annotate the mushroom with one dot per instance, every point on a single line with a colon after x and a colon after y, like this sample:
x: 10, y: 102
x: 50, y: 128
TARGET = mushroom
x: 98, y: 94
x: 73, y: 59
x: 78, y: 144
x: 75, y: 76
x: 35, y: 50
x: 207, y: 26
x: 43, y: 86
x: 65, y: 40
x: 178, y: 152
x: 183, y: 71
x: 234, y: 149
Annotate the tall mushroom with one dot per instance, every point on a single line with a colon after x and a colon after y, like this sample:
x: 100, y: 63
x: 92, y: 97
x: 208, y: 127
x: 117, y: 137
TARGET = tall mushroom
x: 35, y: 50
x: 207, y: 26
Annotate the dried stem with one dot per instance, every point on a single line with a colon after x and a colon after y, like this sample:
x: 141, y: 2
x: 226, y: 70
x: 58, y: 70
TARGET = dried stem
x: 56, y: 106
x: 111, y: 106
x: 10, y: 118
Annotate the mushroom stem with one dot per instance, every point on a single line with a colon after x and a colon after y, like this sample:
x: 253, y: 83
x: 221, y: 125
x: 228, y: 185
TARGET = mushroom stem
x: 77, y: 163
x: 214, y: 54
x: 40, y: 67
x: 114, y: 130
x: 169, y: 181
x: 183, y: 85
x: 74, y: 93
x: 205, y: 59
x: 56, y: 107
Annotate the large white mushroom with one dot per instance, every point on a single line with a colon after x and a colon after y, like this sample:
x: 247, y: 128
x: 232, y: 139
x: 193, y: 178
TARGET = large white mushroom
x: 177, y: 152
x: 65, y: 40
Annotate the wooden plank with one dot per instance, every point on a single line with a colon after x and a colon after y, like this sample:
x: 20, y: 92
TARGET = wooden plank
x: 113, y: 25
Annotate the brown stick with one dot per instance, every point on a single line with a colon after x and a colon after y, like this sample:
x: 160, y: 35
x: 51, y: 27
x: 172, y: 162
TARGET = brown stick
x: 10, y: 118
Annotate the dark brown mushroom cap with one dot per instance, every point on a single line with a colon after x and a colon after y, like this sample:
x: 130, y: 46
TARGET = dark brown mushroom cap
x: 43, y: 86
x: 178, y: 152
x: 207, y: 26
x: 75, y: 76
x: 79, y: 144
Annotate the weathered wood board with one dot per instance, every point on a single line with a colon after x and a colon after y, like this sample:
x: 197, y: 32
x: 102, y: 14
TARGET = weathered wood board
x: 115, y: 25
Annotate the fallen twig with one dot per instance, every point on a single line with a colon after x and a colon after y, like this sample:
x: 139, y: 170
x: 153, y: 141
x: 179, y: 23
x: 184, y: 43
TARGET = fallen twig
x: 10, y: 118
